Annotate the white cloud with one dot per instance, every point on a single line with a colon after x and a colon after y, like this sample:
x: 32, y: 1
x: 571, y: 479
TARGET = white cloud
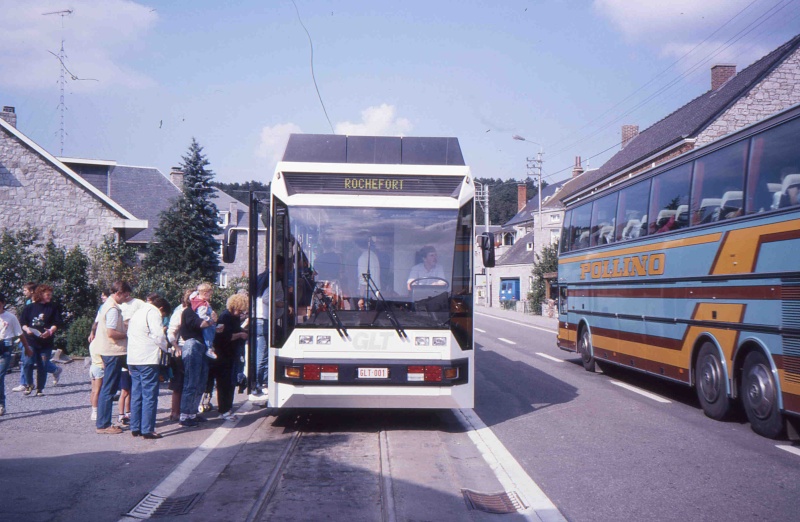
x: 95, y: 35
x: 273, y: 141
x: 376, y: 121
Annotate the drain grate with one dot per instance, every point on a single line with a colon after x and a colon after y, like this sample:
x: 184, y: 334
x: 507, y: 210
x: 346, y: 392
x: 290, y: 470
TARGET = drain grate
x: 498, y: 503
x: 153, y: 506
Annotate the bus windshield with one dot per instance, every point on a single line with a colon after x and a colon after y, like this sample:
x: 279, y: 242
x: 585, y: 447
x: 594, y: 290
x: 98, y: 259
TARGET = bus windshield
x: 370, y: 267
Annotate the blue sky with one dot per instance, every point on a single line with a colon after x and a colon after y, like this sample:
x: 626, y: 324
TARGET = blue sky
x: 237, y: 76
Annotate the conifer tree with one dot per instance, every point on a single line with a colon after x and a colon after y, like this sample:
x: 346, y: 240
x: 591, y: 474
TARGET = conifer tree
x: 184, y: 248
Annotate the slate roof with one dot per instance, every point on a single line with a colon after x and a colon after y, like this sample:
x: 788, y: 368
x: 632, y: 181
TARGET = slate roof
x: 223, y: 202
x: 532, y: 206
x: 518, y: 253
x: 145, y: 192
x: 687, y: 121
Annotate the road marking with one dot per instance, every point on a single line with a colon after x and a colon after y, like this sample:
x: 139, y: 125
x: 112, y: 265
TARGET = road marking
x: 507, y: 470
x: 790, y: 449
x: 519, y: 324
x: 479, y: 330
x: 182, y: 471
x: 556, y: 359
x: 506, y: 341
x: 640, y: 391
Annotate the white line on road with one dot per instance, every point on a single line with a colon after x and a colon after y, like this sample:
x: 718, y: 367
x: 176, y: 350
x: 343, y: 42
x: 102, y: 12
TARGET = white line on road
x: 479, y: 330
x: 556, y: 359
x: 641, y: 392
x: 518, y: 324
x: 507, y: 470
x: 506, y: 341
x: 790, y: 449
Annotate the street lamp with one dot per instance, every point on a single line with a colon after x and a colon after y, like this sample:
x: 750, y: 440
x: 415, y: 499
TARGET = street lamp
x: 538, y: 166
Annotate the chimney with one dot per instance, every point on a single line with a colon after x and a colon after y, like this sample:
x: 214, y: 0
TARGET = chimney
x: 577, y: 170
x: 233, y: 219
x: 628, y: 133
x: 522, y: 196
x: 720, y: 74
x: 9, y: 115
x: 176, y: 177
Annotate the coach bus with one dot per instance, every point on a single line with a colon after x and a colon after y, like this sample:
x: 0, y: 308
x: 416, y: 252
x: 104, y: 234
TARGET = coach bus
x: 371, y: 274
x: 690, y: 272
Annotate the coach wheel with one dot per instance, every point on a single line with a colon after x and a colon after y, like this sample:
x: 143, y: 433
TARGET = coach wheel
x: 585, y: 349
x: 760, y: 396
x: 709, y: 379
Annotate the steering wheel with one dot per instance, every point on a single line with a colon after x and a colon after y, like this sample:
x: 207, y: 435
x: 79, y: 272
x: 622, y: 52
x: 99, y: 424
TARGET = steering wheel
x: 415, y: 282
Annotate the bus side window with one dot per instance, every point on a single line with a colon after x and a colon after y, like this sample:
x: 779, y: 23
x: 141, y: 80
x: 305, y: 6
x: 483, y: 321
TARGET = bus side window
x: 581, y: 225
x: 717, y: 187
x: 774, y: 158
x: 632, y: 211
x: 670, y: 192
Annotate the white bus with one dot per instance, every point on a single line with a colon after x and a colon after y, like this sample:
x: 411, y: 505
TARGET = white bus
x: 371, y: 269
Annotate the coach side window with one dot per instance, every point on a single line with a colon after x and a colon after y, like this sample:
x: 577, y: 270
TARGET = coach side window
x: 565, y: 231
x: 774, y: 174
x: 580, y: 227
x: 669, y: 200
x: 603, y: 214
x: 632, y: 211
x: 717, y: 189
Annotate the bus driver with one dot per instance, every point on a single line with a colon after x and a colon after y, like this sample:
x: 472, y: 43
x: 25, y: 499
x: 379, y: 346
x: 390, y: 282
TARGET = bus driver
x: 429, y: 272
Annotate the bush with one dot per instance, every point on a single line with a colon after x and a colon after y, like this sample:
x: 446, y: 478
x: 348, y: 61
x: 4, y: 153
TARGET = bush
x: 77, y: 336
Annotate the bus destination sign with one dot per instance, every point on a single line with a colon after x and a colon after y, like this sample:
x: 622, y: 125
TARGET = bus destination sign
x: 372, y: 184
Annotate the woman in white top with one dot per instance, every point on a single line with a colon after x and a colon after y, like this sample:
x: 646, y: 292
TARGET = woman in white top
x: 429, y: 272
x: 146, y: 341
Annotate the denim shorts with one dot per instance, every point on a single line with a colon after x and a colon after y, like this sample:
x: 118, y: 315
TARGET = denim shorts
x: 96, y: 372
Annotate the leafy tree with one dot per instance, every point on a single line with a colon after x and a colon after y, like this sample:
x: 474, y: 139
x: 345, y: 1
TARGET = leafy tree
x: 113, y: 261
x: 503, y: 198
x: 184, y: 248
x: 20, y: 262
x: 546, y: 262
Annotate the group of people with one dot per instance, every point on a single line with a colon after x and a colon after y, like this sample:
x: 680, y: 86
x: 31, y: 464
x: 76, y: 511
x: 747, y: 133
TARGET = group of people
x: 203, y: 350
x: 35, y: 329
x: 134, y: 345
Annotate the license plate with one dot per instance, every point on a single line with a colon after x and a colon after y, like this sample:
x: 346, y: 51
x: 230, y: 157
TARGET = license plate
x: 373, y: 373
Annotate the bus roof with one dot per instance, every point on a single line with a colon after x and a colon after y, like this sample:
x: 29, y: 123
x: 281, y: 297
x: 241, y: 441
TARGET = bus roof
x: 332, y: 148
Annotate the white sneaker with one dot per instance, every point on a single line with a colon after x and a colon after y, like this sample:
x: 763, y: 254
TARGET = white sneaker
x: 210, y: 354
x: 19, y: 388
x: 2, y: 410
x: 94, y: 415
x: 57, y: 374
x: 228, y: 416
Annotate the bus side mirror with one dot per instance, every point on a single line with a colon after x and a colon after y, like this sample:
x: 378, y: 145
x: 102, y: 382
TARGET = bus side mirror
x: 487, y: 249
x: 229, y: 245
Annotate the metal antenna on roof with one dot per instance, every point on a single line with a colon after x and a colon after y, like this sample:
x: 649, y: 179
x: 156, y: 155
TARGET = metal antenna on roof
x: 62, y: 81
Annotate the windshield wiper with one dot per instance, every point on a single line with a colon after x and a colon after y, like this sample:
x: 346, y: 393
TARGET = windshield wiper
x: 320, y: 294
x: 389, y: 313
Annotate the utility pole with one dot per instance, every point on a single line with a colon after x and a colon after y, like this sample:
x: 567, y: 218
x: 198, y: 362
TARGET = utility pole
x: 482, y: 196
x: 62, y: 81
x: 535, y: 169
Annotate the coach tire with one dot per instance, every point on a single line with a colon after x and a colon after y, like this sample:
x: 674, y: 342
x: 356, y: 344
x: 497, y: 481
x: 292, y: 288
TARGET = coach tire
x: 585, y: 349
x: 760, y: 397
x: 709, y: 381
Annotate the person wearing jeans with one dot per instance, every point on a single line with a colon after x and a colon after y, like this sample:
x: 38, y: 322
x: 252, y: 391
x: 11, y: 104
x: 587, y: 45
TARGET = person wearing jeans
x: 195, y: 366
x: 262, y: 353
x: 40, y: 320
x: 111, y: 343
x: 9, y: 329
x: 146, y: 342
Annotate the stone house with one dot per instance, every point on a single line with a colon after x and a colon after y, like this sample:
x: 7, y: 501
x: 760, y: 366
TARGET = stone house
x: 88, y: 199
x: 39, y: 190
x: 734, y: 101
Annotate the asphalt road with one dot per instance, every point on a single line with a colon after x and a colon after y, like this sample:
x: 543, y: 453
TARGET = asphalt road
x: 604, y: 452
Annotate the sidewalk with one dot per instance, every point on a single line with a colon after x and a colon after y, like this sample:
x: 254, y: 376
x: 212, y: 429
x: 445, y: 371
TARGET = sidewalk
x: 519, y: 317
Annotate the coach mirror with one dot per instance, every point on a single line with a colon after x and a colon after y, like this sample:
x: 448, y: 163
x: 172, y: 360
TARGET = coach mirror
x: 487, y: 249
x: 229, y: 245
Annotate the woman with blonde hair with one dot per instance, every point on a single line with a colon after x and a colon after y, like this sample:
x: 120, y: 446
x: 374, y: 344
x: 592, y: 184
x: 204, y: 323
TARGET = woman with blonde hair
x: 226, y: 342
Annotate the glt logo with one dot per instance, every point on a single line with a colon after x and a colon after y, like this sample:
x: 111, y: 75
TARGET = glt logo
x: 372, y: 341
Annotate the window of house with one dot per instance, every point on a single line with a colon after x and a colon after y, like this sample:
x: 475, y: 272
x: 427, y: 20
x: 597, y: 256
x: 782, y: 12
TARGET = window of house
x: 632, y: 211
x: 555, y: 218
x: 718, y: 184
x: 223, y: 218
x: 669, y: 200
